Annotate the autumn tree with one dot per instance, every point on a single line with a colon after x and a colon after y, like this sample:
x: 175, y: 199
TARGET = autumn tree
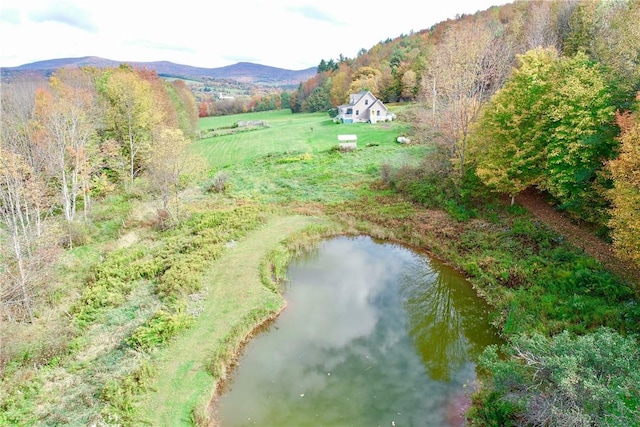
x: 130, y: 119
x: 608, y: 32
x: 187, y: 109
x: 167, y: 163
x: 549, y: 126
x: 625, y: 195
x: 541, y: 25
x: 409, y: 84
x: 339, y: 92
x: 24, y: 258
x: 69, y: 114
x: 365, y: 78
x: 26, y: 243
x: 464, y: 70
x: 18, y: 117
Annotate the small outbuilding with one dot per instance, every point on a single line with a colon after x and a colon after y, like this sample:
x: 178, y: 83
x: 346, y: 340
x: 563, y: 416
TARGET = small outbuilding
x: 347, y: 142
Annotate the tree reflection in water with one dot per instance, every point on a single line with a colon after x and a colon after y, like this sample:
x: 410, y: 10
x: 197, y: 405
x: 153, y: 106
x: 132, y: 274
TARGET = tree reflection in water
x: 445, y: 321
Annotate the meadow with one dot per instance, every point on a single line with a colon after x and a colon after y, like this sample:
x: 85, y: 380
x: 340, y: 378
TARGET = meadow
x: 285, y: 134
x: 295, y: 159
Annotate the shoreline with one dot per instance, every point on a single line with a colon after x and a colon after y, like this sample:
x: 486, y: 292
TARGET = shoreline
x: 219, y: 386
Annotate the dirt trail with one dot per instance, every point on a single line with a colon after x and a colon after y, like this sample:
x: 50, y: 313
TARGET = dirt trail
x: 534, y: 202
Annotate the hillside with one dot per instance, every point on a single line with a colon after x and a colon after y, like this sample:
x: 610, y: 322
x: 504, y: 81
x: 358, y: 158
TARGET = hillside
x: 244, y: 72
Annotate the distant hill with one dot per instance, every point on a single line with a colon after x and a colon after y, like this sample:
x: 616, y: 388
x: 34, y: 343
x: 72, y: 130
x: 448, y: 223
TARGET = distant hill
x: 244, y: 72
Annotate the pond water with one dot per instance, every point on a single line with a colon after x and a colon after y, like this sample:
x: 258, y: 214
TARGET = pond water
x: 374, y: 334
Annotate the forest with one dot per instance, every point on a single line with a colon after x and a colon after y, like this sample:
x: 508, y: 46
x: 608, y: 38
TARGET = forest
x: 539, y: 96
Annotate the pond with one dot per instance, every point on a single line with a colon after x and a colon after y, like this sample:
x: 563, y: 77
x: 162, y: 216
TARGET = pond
x: 374, y: 334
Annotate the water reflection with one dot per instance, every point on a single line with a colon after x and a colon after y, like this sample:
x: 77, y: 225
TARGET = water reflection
x: 444, y: 314
x: 373, y: 333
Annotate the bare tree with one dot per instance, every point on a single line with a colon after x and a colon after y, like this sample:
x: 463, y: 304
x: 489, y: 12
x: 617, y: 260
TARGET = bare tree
x: 68, y: 116
x: 541, y: 30
x: 23, y: 259
x: 465, y: 69
x: 27, y: 245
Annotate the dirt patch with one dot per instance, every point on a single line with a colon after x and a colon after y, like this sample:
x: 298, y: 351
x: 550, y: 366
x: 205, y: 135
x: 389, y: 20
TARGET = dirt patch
x: 127, y: 240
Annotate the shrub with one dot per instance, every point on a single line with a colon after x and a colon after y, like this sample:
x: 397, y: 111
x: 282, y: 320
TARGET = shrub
x: 218, y: 183
x: 120, y: 393
x: 565, y: 380
x: 385, y: 172
x: 160, y: 328
x: 112, y: 280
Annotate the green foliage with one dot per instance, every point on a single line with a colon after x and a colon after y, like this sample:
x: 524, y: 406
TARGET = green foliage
x: 228, y: 349
x: 549, y: 126
x: 17, y: 398
x: 318, y: 100
x: 433, y: 186
x: 552, y: 287
x: 177, y: 264
x: 564, y: 380
x: 198, y: 242
x: 119, y: 394
x: 112, y: 280
x: 273, y: 269
x: 160, y: 328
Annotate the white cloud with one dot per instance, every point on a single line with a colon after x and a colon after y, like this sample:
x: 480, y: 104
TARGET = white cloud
x: 64, y: 12
x: 282, y: 33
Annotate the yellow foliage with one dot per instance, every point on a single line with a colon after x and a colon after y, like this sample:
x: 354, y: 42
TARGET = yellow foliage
x: 625, y: 196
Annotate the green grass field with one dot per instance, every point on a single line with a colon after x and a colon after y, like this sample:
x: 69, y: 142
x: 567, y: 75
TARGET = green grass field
x: 287, y: 133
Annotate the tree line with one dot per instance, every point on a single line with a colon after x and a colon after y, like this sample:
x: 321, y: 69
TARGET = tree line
x: 81, y: 135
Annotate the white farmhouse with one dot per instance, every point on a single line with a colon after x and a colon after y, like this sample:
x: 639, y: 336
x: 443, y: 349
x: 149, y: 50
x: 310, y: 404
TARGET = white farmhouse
x: 363, y: 107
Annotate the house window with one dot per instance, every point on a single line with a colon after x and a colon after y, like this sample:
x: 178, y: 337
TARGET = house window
x: 349, y: 111
x: 377, y: 112
x: 357, y: 112
x: 366, y: 102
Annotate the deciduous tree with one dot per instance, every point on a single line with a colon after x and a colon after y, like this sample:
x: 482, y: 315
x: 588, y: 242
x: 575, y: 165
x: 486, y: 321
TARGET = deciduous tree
x: 506, y: 142
x: 625, y: 196
x: 68, y: 114
x: 168, y: 163
x: 131, y: 117
x: 365, y: 78
x: 23, y: 262
x: 550, y: 126
x: 465, y: 69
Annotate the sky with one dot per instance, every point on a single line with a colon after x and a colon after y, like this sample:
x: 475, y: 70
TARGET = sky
x: 290, y: 34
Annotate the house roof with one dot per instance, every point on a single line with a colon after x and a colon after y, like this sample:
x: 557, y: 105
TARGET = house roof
x: 379, y: 102
x: 356, y: 97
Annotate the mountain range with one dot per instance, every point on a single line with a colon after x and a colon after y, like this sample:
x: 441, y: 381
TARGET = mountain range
x: 245, y: 72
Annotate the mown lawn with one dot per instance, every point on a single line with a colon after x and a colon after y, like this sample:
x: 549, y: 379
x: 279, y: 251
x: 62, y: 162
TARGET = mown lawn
x: 287, y: 133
